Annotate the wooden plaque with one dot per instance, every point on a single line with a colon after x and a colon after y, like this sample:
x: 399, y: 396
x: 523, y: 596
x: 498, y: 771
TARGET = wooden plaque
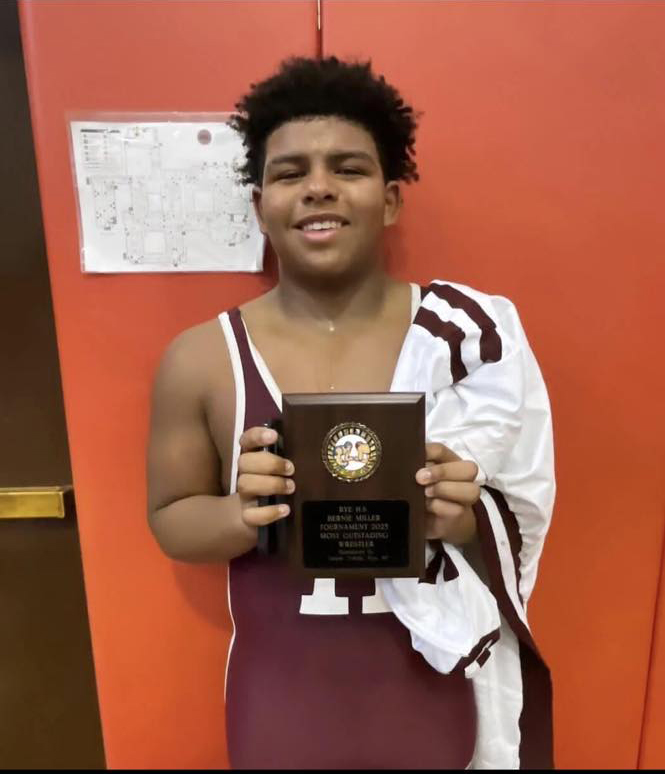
x: 357, y: 510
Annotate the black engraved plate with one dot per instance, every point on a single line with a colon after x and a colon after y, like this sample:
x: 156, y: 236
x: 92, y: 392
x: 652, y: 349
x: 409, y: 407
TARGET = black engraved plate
x: 345, y: 534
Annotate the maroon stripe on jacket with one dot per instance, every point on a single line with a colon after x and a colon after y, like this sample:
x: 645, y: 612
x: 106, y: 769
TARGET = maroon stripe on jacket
x: 450, y: 333
x: 441, y: 557
x: 432, y: 569
x: 512, y: 530
x: 490, y: 341
x: 536, y: 745
x: 480, y: 652
x: 450, y: 571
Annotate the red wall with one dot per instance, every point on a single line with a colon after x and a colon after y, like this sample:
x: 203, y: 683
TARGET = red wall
x: 542, y: 159
x: 542, y: 164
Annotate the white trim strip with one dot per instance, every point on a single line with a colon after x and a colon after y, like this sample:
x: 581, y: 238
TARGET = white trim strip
x: 239, y: 382
x: 233, y: 633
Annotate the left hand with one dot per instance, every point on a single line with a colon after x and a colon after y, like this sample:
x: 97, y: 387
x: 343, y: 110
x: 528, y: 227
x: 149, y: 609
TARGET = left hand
x: 449, y: 495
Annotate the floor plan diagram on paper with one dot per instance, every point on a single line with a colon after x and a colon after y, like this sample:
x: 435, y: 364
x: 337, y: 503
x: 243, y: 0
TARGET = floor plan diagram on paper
x: 163, y: 196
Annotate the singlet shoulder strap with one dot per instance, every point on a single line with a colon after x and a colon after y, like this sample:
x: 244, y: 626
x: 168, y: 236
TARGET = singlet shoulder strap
x: 259, y: 404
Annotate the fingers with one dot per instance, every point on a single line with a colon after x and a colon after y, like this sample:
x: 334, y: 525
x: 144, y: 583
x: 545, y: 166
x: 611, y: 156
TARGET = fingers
x: 255, y: 480
x: 264, y: 464
x: 262, y: 474
x: 260, y: 517
x: 464, y: 492
x: 461, y: 470
x: 257, y: 438
x: 250, y: 486
x: 444, y: 509
x: 448, y: 507
x: 449, y: 492
x: 440, y: 453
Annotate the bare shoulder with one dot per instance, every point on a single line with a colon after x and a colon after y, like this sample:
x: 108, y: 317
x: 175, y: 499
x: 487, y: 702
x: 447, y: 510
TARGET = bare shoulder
x: 195, y: 359
x: 195, y: 376
x: 192, y: 411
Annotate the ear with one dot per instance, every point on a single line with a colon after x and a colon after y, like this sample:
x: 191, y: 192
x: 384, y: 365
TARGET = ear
x: 257, y: 194
x: 393, y: 203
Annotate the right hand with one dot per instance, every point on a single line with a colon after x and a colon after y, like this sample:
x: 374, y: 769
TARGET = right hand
x: 261, y: 474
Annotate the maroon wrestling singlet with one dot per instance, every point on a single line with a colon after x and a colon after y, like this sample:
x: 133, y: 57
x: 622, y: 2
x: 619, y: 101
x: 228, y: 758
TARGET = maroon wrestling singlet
x: 321, y: 674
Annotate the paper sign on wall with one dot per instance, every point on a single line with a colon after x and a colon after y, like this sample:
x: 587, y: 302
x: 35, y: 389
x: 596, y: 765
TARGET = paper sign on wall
x: 163, y: 197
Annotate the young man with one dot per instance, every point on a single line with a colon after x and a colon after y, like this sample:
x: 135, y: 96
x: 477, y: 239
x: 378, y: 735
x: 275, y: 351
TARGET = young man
x: 317, y: 677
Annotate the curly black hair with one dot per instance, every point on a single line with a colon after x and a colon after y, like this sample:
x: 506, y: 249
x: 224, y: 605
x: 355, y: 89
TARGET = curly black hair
x: 309, y: 88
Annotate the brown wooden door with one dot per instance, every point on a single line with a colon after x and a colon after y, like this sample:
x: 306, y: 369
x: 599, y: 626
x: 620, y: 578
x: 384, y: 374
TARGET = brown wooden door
x: 48, y: 702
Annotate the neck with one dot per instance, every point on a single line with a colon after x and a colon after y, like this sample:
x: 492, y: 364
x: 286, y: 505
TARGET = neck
x: 361, y: 297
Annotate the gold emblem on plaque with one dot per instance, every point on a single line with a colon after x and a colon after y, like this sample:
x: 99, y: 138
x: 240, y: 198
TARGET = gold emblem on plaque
x: 351, y: 452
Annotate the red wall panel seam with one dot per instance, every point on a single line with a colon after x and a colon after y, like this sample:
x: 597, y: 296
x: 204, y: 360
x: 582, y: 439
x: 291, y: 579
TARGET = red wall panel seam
x: 652, y: 654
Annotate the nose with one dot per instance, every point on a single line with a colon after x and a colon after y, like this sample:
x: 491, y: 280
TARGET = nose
x: 319, y: 186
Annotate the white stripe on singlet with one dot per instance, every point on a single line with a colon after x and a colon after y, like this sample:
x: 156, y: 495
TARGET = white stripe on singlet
x: 239, y: 383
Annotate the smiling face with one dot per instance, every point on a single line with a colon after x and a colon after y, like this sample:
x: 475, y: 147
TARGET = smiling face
x: 324, y: 202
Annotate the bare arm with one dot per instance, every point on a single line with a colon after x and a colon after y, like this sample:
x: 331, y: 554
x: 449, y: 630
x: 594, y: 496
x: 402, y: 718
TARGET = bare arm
x: 189, y: 515
x: 191, y: 518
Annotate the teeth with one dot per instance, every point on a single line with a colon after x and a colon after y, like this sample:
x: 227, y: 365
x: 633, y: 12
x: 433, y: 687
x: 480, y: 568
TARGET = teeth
x: 321, y: 225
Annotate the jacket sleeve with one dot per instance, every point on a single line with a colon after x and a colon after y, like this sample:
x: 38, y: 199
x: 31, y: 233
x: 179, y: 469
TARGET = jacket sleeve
x: 487, y: 401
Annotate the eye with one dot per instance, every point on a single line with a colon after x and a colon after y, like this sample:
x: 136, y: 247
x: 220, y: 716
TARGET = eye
x: 289, y: 175
x: 350, y: 171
